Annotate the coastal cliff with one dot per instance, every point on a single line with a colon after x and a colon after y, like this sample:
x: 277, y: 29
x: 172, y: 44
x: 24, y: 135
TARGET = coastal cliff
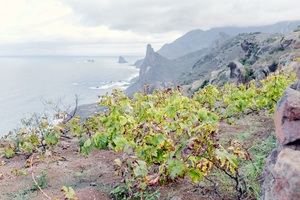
x: 248, y: 56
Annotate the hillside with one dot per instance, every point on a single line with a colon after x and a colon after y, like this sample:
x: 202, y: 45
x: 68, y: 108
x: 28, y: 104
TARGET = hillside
x: 198, y: 39
x: 244, y: 57
x: 153, y: 146
x: 236, y: 59
x: 159, y: 72
x: 202, y: 129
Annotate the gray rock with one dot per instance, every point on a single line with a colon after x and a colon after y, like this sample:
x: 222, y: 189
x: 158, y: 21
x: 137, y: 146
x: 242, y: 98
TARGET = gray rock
x: 138, y: 63
x: 122, y: 60
x: 158, y: 71
x: 197, y: 85
x: 87, y: 110
x: 237, y: 71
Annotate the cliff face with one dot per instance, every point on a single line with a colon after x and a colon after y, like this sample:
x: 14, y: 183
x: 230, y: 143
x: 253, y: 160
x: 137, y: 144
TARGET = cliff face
x: 157, y: 71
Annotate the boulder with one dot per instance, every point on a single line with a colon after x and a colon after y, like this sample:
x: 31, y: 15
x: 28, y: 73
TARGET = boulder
x: 287, y: 117
x: 282, y: 168
x: 268, y: 175
x: 284, y: 177
x: 237, y: 71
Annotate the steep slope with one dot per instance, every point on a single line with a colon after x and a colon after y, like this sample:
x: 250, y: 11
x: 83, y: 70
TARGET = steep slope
x: 154, y: 70
x: 157, y: 71
x: 199, y: 39
x: 238, y: 59
x: 242, y: 58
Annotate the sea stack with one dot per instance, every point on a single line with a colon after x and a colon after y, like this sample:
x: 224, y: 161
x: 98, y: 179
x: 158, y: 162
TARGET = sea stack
x: 122, y: 60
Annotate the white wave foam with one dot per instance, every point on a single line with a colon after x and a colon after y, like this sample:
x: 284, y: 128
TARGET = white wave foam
x: 123, y: 84
x: 133, y: 76
x: 118, y: 84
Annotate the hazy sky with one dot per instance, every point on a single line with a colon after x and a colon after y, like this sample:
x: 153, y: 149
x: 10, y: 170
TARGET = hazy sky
x: 106, y: 27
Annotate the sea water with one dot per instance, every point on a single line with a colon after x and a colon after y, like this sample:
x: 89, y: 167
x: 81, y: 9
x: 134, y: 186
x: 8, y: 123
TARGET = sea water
x: 36, y: 84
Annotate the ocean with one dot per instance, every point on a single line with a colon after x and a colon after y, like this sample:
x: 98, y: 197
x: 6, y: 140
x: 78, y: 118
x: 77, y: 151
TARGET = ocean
x: 35, y: 84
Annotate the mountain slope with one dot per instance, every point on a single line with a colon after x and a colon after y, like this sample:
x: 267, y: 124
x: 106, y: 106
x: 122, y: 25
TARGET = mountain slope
x: 242, y: 58
x: 199, y: 39
x: 158, y: 71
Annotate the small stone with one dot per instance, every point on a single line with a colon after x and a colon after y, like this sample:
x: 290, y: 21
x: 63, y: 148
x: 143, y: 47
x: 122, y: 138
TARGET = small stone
x: 64, y: 145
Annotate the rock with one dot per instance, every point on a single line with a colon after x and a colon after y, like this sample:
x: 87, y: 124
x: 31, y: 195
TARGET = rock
x: 197, y: 85
x: 261, y: 74
x: 87, y: 110
x: 296, y: 66
x: 285, y: 43
x: 237, y: 71
x: 296, y: 86
x: 284, y: 182
x: 186, y: 89
x: 282, y: 169
x: 155, y: 71
x: 219, y: 77
x: 251, y: 49
x: 273, y: 67
x: 287, y: 117
x: 138, y: 63
x: 268, y: 174
x: 64, y: 145
x: 122, y: 60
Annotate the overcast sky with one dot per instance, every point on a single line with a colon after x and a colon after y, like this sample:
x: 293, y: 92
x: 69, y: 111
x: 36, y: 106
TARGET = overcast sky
x: 114, y: 27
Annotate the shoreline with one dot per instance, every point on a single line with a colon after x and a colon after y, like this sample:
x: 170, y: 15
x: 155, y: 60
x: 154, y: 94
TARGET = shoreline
x: 86, y: 109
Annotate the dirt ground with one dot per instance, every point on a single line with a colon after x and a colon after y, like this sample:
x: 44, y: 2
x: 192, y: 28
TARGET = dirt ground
x: 93, y: 177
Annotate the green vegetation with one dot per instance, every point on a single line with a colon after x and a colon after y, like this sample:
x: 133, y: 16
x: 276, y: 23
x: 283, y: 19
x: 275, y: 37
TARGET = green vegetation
x: 231, y: 100
x: 166, y: 136
x: 41, y: 181
x: 252, y: 169
x: 69, y: 193
x: 35, y: 135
